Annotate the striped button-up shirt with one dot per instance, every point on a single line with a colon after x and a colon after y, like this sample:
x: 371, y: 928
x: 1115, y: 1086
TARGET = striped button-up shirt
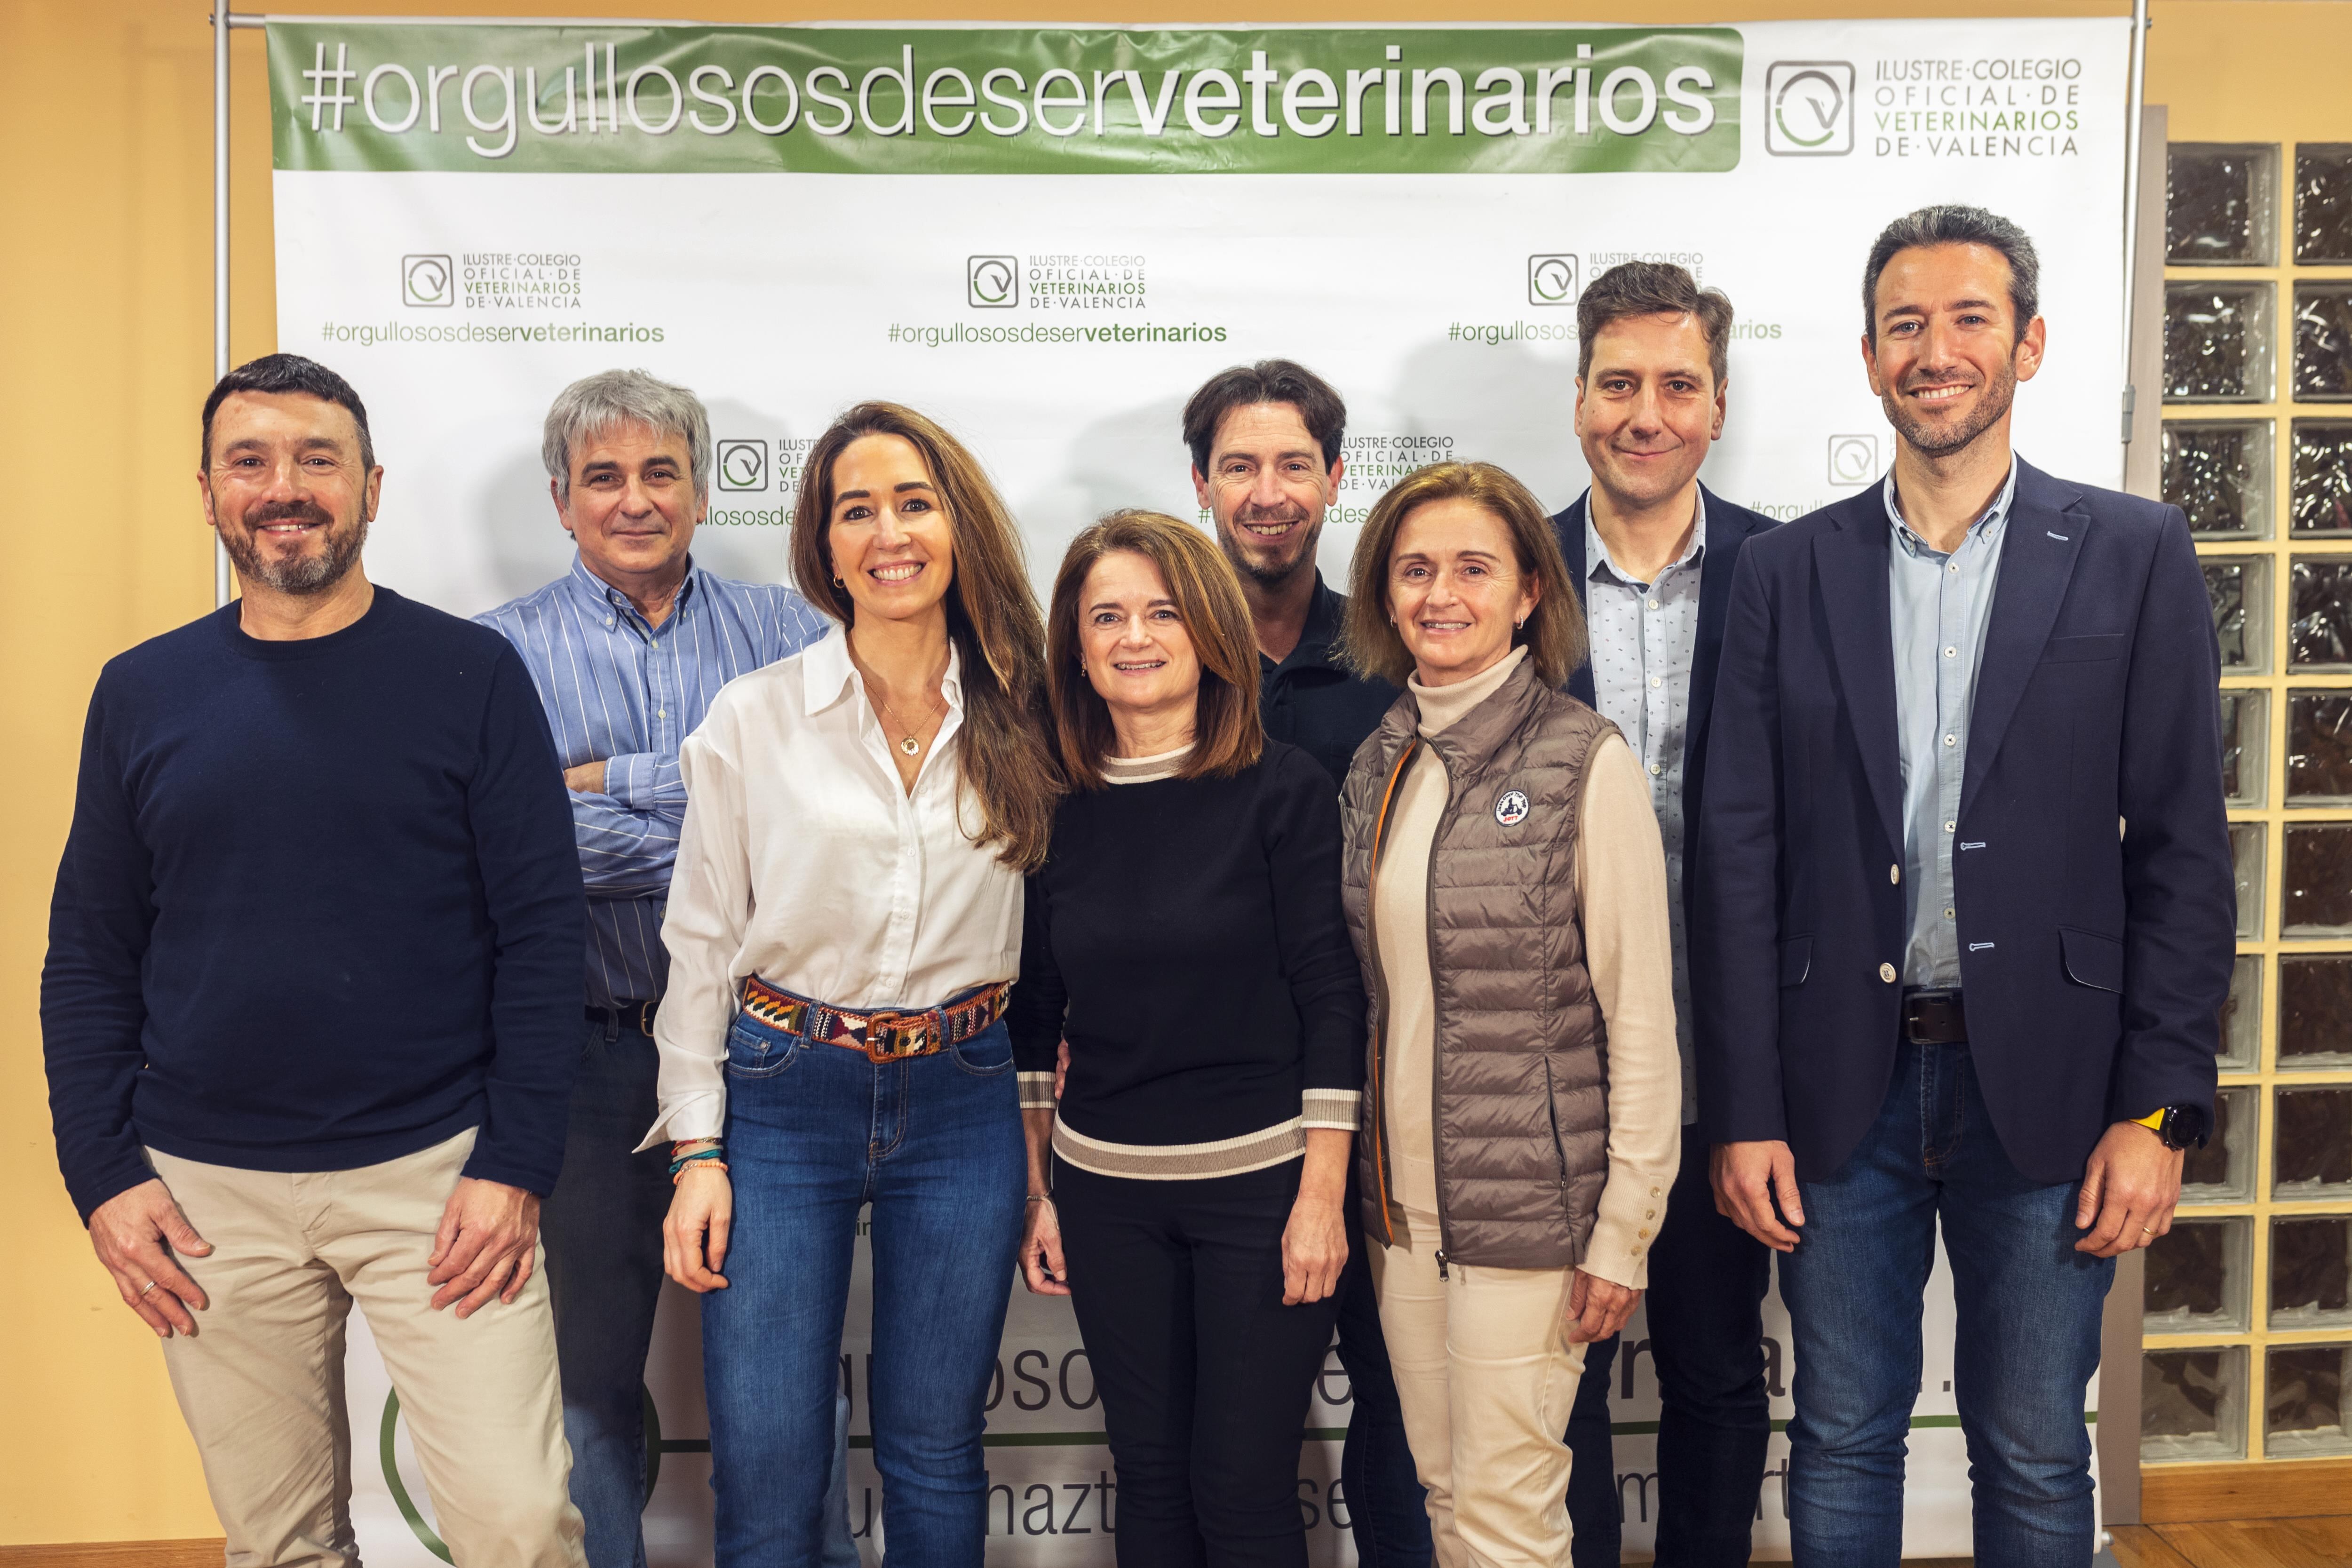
x: 1939, y: 608
x: 1644, y: 639
x: 620, y: 691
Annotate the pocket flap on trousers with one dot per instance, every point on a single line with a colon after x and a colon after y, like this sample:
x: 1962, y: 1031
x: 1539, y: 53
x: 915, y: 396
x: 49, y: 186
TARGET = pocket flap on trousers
x: 2093, y: 960
x: 1796, y: 959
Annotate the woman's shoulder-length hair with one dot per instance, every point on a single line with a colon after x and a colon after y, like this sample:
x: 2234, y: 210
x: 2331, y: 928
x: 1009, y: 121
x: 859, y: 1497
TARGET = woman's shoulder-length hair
x: 1554, y: 633
x: 1227, y: 736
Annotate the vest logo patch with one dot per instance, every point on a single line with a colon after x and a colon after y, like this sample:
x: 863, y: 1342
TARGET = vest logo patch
x: 1511, y: 807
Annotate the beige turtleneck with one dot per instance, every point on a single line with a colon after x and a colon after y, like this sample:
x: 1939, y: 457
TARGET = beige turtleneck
x: 1621, y: 904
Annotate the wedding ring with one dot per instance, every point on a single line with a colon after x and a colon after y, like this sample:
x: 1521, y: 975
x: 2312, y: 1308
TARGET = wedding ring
x: 149, y: 1286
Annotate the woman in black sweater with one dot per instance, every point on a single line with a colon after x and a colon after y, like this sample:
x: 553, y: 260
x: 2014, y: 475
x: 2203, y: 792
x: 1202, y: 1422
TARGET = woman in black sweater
x: 1185, y: 936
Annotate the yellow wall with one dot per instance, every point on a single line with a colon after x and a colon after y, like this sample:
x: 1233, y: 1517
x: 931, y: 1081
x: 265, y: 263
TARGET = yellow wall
x: 105, y: 337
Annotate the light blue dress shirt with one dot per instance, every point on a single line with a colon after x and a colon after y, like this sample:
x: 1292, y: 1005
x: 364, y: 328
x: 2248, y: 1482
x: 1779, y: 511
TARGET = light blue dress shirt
x: 1645, y: 640
x: 619, y: 689
x: 1940, y: 607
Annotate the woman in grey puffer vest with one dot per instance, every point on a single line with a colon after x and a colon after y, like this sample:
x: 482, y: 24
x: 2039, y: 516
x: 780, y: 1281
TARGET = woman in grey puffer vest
x: 1506, y: 891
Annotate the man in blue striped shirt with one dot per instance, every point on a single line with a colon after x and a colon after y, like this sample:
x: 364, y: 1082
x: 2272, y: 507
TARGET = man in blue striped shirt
x: 627, y: 649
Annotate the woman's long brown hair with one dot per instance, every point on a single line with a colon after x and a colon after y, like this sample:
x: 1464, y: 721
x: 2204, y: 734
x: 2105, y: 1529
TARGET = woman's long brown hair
x: 1006, y: 757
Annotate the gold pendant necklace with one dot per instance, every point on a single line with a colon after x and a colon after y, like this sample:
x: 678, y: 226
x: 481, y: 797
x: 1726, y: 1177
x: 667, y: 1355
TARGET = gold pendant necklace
x: 911, y: 743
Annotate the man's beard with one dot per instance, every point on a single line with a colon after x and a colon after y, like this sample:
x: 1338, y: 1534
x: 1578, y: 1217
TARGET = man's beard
x: 1941, y: 441
x: 305, y: 574
x: 1269, y: 575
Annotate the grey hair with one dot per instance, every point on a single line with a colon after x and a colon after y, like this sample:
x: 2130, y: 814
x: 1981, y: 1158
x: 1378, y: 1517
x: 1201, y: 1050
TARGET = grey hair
x: 1956, y: 226
x: 597, y: 402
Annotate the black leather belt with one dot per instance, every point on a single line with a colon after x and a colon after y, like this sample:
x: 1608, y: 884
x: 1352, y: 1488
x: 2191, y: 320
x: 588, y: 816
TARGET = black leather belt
x: 627, y: 1016
x: 1935, y: 1018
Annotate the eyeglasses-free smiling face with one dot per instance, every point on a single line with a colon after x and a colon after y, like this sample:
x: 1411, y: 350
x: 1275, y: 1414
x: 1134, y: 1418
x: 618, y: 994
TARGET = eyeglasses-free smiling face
x: 284, y: 485
x: 1648, y: 407
x: 1138, y: 655
x: 1267, y: 487
x: 893, y: 545
x: 1455, y: 590
x: 632, y: 508
x: 1948, y: 352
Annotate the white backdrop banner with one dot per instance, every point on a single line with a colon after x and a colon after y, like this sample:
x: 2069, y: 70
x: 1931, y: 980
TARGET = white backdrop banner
x: 1046, y: 239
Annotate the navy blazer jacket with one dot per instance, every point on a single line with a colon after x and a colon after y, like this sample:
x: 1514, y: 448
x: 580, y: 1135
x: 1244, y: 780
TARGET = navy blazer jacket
x: 2094, y: 963
x: 1728, y: 528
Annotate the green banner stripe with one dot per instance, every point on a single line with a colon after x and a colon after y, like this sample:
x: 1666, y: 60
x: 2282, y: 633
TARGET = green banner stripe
x: 990, y: 101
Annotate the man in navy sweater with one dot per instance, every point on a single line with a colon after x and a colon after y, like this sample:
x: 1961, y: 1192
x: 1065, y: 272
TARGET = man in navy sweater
x: 315, y: 944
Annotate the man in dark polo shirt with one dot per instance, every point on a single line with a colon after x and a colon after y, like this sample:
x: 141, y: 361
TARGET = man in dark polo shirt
x: 1265, y: 440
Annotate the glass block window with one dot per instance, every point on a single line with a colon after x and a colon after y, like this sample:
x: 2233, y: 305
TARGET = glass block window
x: 2219, y: 205
x: 2316, y: 892
x: 2323, y: 342
x: 2219, y: 472
x: 2320, y: 464
x: 2217, y: 343
x: 2238, y: 587
x: 2315, y: 1019
x: 2323, y: 202
x: 2192, y: 1404
x: 2303, y: 1413
x: 2241, y: 1017
x: 2318, y: 747
x: 2248, y: 1302
x: 2223, y: 1171
x: 2243, y: 748
x: 2246, y: 846
x: 2311, y: 1144
x: 2196, y: 1278
x: 2320, y: 636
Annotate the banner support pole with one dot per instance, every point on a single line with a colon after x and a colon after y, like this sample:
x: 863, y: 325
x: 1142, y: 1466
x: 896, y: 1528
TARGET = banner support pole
x: 222, y: 578
x: 2131, y: 201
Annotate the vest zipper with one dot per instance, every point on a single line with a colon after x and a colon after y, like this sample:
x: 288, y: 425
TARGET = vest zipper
x: 1437, y: 1018
x: 1441, y: 1264
x: 1380, y: 998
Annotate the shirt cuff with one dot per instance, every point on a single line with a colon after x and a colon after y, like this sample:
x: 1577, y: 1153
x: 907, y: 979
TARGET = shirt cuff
x: 701, y: 1114
x: 1340, y: 1109
x: 1037, y: 1092
x: 629, y: 779
x: 1632, y: 1206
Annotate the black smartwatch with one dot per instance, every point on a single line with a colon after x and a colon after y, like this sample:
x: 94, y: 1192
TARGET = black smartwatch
x: 2181, y: 1127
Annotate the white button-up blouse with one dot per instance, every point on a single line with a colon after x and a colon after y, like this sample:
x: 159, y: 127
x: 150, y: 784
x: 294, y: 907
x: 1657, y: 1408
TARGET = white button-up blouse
x: 802, y: 860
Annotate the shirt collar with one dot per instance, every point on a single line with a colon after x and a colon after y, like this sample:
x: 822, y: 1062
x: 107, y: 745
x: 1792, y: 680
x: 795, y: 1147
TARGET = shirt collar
x: 828, y: 676
x: 1321, y: 629
x: 1602, y: 568
x: 1987, y: 526
x: 607, y: 600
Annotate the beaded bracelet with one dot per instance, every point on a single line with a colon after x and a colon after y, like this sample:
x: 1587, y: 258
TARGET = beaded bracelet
x: 696, y: 1151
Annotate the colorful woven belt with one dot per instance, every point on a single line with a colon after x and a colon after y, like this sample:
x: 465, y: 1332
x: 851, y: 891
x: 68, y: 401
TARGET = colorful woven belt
x: 884, y: 1036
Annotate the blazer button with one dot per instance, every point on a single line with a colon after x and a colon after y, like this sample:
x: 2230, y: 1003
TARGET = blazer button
x: 1887, y: 972
x: 1895, y: 873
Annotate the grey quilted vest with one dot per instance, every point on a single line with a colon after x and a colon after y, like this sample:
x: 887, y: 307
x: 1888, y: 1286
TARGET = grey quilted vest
x: 1521, y: 1121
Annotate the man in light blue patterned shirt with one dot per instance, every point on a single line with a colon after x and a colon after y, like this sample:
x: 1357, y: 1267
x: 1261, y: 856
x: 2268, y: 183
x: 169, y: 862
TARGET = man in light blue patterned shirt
x: 627, y: 649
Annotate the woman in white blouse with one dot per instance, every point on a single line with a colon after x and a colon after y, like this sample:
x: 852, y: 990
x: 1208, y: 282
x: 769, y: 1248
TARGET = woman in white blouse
x: 843, y: 922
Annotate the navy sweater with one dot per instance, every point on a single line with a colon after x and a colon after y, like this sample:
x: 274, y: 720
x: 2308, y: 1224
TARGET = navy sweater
x: 1186, y: 937
x: 319, y: 908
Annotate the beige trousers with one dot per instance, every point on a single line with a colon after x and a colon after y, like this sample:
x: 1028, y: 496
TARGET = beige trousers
x: 1486, y: 1380
x: 261, y: 1382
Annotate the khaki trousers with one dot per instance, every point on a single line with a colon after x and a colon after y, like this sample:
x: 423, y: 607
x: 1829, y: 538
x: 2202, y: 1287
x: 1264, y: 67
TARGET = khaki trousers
x: 1486, y: 1380
x: 261, y: 1382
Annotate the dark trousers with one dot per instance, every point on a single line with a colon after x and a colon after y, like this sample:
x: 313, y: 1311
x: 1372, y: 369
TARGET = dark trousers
x: 1388, y: 1512
x: 1707, y: 1280
x: 1204, y: 1373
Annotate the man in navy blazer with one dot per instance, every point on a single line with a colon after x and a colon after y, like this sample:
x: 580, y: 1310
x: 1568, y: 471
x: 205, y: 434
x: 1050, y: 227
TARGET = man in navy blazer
x: 1937, y: 984
x: 1652, y: 552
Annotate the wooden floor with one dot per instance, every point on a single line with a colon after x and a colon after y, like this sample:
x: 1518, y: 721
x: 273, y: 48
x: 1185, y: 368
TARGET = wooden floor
x: 2317, y: 1542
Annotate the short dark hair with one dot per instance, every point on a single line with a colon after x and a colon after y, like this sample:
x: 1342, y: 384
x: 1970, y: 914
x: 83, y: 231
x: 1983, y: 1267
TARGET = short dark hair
x: 1267, y: 381
x: 1652, y: 288
x: 287, y: 373
x: 1954, y: 225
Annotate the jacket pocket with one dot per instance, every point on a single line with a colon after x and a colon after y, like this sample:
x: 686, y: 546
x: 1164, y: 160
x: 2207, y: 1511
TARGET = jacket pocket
x: 2093, y: 960
x: 1796, y: 959
x: 2070, y: 650
x: 1552, y: 1115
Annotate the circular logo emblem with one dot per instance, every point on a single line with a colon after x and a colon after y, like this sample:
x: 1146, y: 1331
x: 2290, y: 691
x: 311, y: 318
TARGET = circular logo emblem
x: 1553, y: 280
x: 991, y: 282
x: 1807, y: 108
x: 1511, y: 807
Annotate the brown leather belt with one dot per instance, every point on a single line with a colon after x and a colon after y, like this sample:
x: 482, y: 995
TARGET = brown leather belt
x: 886, y: 1035
x: 1935, y: 1017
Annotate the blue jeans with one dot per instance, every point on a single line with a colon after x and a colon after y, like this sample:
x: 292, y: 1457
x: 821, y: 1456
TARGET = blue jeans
x: 2028, y: 1338
x: 814, y: 1135
x: 1707, y: 1281
x: 602, y: 1228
